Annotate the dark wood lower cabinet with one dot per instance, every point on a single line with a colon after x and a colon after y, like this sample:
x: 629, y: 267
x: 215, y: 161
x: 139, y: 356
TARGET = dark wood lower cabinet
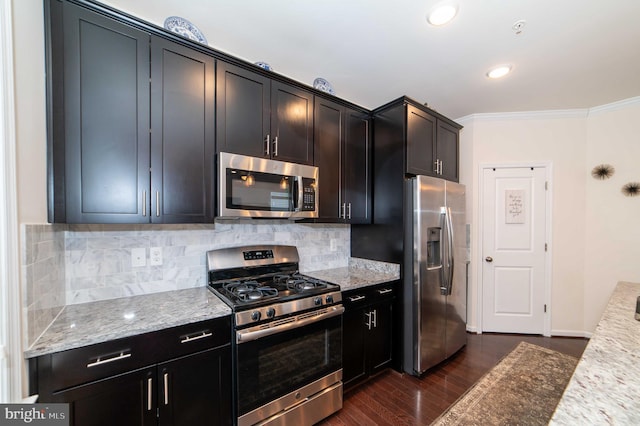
x: 175, y: 377
x: 196, y: 389
x: 120, y: 400
x: 367, y: 333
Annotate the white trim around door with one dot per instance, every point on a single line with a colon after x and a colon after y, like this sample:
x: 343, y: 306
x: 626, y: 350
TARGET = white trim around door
x: 547, y: 166
x: 11, y: 359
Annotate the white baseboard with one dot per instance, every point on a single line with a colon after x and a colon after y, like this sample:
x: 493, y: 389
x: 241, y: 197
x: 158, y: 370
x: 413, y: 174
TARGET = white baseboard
x: 570, y: 333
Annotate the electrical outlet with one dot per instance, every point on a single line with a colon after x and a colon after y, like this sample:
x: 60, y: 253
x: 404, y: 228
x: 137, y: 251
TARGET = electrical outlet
x: 138, y: 257
x: 155, y: 256
x: 333, y: 246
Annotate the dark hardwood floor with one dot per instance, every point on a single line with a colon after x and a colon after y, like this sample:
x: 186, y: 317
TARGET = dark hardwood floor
x: 392, y: 398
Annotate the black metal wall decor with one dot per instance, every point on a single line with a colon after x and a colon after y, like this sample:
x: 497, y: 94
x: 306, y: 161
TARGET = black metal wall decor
x: 632, y: 189
x: 603, y: 171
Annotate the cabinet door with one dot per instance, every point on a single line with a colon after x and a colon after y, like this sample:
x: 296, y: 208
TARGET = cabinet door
x: 356, y: 169
x: 379, y: 348
x: 291, y: 123
x: 242, y: 108
x: 127, y: 399
x: 106, y: 116
x: 353, y: 347
x: 421, y: 136
x: 448, y: 150
x: 328, y: 130
x: 196, y: 389
x: 182, y: 134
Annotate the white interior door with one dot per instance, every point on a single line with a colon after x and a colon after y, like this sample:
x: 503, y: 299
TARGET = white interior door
x: 514, y: 250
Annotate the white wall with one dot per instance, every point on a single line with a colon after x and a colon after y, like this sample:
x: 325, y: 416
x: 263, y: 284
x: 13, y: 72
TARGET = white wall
x: 28, y: 20
x: 612, y: 237
x: 586, y: 244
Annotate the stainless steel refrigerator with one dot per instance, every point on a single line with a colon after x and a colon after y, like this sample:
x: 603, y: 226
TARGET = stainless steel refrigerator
x: 435, y: 293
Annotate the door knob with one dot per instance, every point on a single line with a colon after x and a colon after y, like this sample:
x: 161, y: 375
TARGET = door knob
x: 489, y: 259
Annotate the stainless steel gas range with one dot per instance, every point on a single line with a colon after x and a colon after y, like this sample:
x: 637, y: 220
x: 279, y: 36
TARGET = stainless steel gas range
x: 287, y: 345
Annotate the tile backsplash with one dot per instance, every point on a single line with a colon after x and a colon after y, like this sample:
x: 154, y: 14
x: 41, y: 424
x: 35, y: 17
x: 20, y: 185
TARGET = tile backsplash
x: 43, y: 277
x: 69, y: 264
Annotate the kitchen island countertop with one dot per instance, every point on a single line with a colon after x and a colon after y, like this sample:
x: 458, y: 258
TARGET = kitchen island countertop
x: 96, y: 322
x: 605, y: 387
x: 360, y: 273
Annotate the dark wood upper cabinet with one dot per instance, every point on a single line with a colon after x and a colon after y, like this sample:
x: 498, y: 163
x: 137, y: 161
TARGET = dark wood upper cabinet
x: 243, y: 111
x: 128, y: 142
x: 99, y: 151
x: 182, y: 134
x: 421, y: 142
x: 425, y: 141
x: 342, y: 153
x: 260, y: 117
x: 447, y: 148
x: 432, y: 144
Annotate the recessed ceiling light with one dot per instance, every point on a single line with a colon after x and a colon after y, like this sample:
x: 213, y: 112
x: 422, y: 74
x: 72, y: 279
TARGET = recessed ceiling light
x: 499, y: 71
x: 442, y: 14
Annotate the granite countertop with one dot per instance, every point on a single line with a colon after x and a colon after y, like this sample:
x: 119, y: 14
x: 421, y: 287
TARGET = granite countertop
x: 96, y: 322
x: 359, y: 273
x: 605, y: 387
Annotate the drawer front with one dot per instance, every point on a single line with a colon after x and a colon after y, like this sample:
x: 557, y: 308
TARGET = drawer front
x: 190, y: 338
x: 366, y: 295
x: 82, y: 365
x: 94, y: 362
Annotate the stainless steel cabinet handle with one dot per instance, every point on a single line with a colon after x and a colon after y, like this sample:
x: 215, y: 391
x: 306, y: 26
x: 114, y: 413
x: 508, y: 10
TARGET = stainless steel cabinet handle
x: 191, y: 338
x: 349, y: 211
x: 489, y: 259
x: 343, y: 215
x: 275, y: 147
x: 165, y: 379
x: 374, y: 318
x: 385, y: 290
x: 157, y: 203
x: 356, y: 298
x: 368, y: 323
x: 144, y: 203
x: 267, y: 142
x: 437, y: 164
x: 101, y: 361
x: 149, y: 394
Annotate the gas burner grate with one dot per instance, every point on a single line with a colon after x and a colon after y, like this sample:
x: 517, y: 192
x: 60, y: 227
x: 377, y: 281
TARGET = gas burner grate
x: 250, y: 291
x: 299, y: 283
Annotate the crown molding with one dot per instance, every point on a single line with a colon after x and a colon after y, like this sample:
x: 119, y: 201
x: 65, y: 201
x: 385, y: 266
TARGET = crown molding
x: 550, y: 114
x: 615, y: 106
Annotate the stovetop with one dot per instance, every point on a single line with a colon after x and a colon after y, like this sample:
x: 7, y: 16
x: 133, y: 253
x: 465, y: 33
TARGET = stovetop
x: 246, y: 293
x: 263, y: 283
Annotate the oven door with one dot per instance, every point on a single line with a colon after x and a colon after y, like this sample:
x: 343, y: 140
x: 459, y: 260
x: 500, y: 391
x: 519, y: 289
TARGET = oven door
x: 286, y: 358
x: 259, y: 187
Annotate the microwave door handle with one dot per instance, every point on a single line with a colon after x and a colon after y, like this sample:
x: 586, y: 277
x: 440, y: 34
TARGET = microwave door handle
x: 298, y: 195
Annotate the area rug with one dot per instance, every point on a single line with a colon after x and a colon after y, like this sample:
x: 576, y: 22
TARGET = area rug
x: 524, y: 388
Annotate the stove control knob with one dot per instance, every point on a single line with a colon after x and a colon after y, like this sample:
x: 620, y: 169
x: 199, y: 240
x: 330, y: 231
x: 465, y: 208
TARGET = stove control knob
x: 317, y: 301
x: 329, y: 299
x: 271, y: 313
x: 255, y: 315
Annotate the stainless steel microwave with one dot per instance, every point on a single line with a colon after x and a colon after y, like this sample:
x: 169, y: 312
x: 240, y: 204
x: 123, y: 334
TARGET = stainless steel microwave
x: 260, y: 187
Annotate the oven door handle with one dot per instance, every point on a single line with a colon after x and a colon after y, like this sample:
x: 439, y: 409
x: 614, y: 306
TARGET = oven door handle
x: 243, y: 336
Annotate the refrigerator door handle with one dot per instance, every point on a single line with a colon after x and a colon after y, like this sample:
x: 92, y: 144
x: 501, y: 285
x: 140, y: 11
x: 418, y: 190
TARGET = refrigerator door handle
x: 450, y: 256
x: 444, y: 273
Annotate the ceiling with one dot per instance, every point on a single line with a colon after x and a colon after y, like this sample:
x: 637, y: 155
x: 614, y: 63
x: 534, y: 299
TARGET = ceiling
x: 570, y: 54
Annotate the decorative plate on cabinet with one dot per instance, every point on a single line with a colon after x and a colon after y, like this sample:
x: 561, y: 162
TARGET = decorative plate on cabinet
x: 323, y: 85
x: 264, y: 65
x: 184, y: 28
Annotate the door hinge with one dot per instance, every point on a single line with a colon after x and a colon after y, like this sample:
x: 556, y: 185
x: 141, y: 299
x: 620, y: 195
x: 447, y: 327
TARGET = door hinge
x: 546, y: 246
x: 546, y: 186
x: 545, y: 308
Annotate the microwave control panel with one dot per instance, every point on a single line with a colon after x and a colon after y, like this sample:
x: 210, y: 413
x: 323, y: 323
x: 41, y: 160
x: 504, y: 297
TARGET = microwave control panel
x: 308, y: 194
